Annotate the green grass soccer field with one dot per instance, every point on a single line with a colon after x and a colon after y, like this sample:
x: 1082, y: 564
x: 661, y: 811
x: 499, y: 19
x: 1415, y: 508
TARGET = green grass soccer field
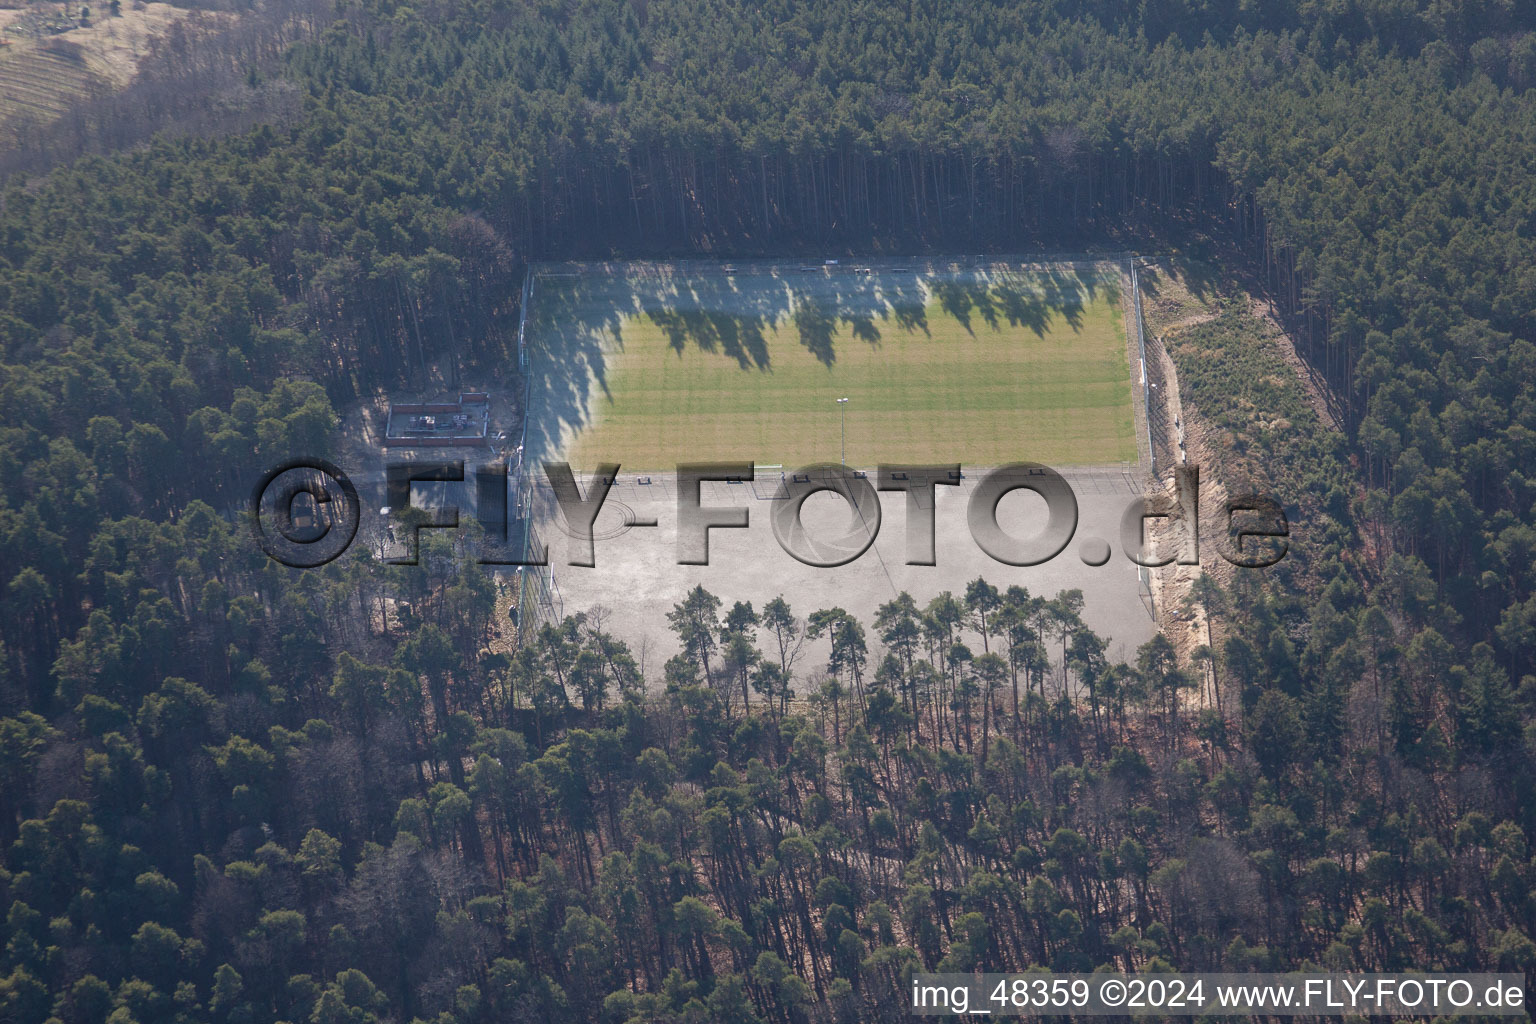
x: 650, y: 367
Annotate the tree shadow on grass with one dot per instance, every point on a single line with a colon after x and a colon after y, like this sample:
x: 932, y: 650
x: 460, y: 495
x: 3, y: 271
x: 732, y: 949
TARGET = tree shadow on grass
x: 738, y: 336
x: 956, y: 299
x: 817, y: 327
x: 1035, y: 306
x: 816, y: 322
x: 911, y: 317
x: 1024, y: 308
x: 863, y: 327
x: 576, y: 323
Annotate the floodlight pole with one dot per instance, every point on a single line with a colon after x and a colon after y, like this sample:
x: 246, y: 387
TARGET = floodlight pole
x: 842, y: 409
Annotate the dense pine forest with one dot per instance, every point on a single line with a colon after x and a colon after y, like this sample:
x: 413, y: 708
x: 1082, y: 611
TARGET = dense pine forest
x: 236, y: 792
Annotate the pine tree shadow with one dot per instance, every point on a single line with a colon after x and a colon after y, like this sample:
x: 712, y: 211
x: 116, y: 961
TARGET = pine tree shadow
x: 862, y: 325
x: 816, y: 324
x: 1034, y: 305
x: 739, y: 337
x: 985, y: 303
x: 956, y: 299
x: 570, y: 334
x: 910, y: 317
x: 1067, y: 291
x: 1024, y: 308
